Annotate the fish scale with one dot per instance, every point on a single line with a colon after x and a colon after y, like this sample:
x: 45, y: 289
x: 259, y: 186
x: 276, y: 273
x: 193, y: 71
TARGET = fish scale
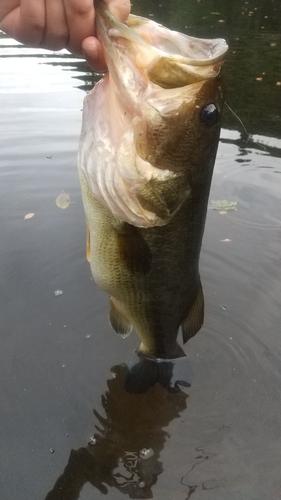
x: 151, y: 147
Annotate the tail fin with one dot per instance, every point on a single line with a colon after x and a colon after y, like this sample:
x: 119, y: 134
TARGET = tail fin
x: 174, y: 352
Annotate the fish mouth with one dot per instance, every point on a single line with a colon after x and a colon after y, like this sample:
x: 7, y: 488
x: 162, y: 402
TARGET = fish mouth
x: 167, y: 58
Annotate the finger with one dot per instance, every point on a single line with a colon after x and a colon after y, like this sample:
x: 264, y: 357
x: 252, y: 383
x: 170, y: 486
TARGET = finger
x: 56, y: 33
x: 7, y: 6
x: 80, y: 15
x: 26, y: 23
x: 92, y: 48
x: 93, y: 54
x: 120, y: 9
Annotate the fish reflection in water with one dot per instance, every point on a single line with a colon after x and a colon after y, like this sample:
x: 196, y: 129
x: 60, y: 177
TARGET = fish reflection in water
x: 124, y: 453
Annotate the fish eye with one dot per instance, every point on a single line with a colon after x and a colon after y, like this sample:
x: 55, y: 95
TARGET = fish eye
x: 209, y: 115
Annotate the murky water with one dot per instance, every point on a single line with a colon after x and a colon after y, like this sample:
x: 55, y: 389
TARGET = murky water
x: 70, y: 427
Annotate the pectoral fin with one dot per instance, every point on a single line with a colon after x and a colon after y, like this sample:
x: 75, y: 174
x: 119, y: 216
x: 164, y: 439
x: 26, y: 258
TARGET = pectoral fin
x: 133, y: 249
x: 195, y: 317
x: 120, y: 324
x: 163, y: 198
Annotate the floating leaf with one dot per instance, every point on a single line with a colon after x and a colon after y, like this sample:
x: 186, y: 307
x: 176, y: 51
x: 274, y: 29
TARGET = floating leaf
x: 29, y: 216
x: 63, y: 200
x: 223, y: 205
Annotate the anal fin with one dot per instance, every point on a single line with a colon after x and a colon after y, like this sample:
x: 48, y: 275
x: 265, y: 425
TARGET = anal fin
x: 118, y: 322
x: 195, y: 317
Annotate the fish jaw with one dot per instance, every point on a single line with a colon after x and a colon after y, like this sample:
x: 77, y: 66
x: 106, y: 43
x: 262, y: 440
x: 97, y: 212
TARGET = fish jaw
x: 141, y: 52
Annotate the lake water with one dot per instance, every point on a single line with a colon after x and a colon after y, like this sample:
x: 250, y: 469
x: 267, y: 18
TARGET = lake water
x: 69, y: 428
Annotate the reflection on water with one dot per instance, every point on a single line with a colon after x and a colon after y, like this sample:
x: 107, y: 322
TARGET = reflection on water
x: 125, y: 453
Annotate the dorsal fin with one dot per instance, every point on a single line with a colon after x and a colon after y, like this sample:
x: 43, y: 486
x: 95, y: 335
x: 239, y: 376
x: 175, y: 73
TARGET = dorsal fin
x: 195, y: 317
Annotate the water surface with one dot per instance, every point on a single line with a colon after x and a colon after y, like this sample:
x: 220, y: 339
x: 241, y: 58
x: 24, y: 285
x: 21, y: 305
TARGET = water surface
x: 69, y: 428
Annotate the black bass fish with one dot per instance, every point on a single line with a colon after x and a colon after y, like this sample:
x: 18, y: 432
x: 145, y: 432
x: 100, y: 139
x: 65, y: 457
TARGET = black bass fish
x: 148, y: 145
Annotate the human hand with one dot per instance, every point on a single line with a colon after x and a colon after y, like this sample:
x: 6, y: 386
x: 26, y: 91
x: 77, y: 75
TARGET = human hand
x: 58, y: 24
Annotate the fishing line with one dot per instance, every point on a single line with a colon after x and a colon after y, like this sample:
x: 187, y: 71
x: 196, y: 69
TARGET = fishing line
x: 239, y: 119
x: 244, y: 128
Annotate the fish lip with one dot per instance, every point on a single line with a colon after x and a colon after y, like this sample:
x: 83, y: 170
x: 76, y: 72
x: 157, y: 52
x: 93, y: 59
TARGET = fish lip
x: 217, y: 48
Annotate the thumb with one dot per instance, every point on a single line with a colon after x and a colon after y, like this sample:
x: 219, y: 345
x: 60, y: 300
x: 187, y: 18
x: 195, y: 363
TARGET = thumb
x: 91, y: 46
x: 93, y: 53
x: 120, y: 9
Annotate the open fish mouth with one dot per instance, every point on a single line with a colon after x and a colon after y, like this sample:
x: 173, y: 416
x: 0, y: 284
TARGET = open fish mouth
x: 167, y: 58
x: 155, y: 76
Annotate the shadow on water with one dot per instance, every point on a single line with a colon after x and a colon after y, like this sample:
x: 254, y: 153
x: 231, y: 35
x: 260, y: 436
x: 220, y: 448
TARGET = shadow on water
x: 125, y: 452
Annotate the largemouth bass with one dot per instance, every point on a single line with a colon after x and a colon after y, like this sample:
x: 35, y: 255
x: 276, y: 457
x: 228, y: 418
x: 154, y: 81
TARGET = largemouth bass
x: 148, y: 145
